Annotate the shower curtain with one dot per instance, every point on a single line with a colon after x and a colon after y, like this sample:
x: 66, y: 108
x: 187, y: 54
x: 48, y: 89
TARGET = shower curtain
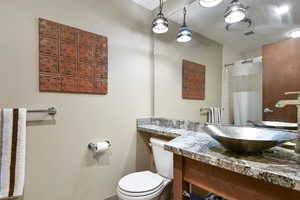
x: 245, y: 88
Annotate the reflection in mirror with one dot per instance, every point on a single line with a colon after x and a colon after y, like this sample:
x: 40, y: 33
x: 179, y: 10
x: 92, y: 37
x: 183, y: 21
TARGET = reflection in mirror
x: 250, y: 62
x: 169, y: 56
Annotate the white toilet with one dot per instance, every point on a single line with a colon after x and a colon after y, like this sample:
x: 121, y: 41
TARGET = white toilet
x: 146, y: 185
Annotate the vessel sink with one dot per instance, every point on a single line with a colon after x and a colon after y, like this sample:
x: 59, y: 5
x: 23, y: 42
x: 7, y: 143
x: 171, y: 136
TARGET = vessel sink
x: 274, y: 124
x: 248, y: 139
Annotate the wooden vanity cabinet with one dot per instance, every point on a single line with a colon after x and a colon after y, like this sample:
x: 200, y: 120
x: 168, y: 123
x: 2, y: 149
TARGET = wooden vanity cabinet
x: 225, y: 183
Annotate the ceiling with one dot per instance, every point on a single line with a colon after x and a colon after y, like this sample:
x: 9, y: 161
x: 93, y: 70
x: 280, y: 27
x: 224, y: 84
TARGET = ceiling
x: 149, y: 4
x: 268, y: 25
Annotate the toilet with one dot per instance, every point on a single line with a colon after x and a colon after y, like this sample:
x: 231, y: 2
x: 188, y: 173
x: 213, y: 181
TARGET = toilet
x: 147, y: 185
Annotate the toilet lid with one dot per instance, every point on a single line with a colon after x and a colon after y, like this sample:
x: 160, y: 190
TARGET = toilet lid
x: 140, y: 182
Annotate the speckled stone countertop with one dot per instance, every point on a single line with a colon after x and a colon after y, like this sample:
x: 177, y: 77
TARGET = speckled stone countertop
x: 277, y: 165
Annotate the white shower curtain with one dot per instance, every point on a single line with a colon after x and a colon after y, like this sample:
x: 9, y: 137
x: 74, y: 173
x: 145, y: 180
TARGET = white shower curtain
x: 245, y: 88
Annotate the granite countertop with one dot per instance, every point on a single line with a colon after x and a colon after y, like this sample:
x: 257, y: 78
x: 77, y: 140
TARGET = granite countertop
x: 278, y: 165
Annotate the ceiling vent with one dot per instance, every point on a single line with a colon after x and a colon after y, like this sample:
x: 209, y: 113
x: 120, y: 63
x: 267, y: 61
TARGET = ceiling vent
x: 249, y: 33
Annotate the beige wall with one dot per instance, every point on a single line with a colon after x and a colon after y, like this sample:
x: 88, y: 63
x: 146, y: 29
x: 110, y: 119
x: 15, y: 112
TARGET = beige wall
x: 168, y: 74
x: 252, y: 53
x: 59, y: 166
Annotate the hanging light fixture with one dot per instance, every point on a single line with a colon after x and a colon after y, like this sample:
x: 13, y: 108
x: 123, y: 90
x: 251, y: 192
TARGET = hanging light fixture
x: 209, y: 3
x: 235, y: 12
x: 160, y: 23
x: 184, y: 33
x: 239, y: 26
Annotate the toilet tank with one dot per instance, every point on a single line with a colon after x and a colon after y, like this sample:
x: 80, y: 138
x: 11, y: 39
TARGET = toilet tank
x: 163, y: 159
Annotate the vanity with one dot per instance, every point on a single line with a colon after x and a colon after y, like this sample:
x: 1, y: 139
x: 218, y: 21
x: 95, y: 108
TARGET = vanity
x: 203, y: 162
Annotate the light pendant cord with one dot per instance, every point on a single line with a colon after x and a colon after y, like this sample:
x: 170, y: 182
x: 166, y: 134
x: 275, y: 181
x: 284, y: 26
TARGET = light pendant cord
x: 184, y: 16
x: 160, y: 6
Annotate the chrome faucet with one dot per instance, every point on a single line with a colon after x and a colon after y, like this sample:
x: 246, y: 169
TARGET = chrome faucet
x: 283, y: 103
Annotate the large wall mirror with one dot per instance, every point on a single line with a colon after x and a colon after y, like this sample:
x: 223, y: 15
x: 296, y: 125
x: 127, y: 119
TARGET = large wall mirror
x: 249, y: 65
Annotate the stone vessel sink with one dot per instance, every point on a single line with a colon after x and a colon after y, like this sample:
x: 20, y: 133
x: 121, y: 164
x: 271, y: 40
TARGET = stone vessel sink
x: 274, y: 124
x: 248, y: 139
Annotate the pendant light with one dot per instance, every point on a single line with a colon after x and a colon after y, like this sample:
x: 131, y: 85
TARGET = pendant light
x: 235, y: 12
x: 184, y: 33
x: 209, y: 3
x: 160, y: 23
x: 239, y: 26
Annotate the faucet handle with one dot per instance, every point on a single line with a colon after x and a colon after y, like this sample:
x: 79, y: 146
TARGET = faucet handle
x: 268, y: 110
x: 297, y: 92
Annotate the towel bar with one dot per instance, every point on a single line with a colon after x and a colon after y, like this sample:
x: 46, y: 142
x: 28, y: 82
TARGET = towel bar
x: 204, y: 110
x: 51, y: 111
x: 6, y: 198
x: 207, y: 109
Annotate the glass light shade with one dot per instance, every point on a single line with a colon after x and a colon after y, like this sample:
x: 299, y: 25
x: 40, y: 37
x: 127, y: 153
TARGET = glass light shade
x: 160, y: 24
x: 239, y: 26
x: 184, y: 34
x: 235, y: 17
x: 236, y: 12
x: 295, y: 33
x: 209, y: 3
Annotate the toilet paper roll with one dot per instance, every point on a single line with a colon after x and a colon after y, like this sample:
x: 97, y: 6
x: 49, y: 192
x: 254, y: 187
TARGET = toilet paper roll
x: 102, y: 146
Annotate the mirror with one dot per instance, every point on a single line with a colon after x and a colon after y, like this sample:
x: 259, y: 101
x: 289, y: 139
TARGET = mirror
x: 247, y: 66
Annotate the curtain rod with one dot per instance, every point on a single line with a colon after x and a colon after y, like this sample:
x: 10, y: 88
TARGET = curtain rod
x: 243, y: 62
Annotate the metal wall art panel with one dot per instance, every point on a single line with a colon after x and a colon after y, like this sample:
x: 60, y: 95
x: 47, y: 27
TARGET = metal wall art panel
x: 71, y: 60
x: 193, y: 80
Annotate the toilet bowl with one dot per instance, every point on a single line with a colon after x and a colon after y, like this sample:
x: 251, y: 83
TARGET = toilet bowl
x: 144, y: 185
x: 147, y: 185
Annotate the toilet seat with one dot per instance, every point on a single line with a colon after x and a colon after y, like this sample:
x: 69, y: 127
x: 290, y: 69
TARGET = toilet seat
x: 140, y: 182
x: 141, y: 186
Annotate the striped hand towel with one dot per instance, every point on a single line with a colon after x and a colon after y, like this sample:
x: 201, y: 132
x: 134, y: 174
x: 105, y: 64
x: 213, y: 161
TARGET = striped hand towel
x: 214, y: 115
x: 211, y: 115
x: 12, y: 152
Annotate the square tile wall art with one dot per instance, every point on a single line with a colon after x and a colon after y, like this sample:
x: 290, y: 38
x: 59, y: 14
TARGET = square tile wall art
x: 193, y: 80
x: 71, y: 60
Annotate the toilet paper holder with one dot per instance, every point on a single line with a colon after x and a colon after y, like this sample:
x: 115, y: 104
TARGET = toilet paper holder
x: 92, y: 146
